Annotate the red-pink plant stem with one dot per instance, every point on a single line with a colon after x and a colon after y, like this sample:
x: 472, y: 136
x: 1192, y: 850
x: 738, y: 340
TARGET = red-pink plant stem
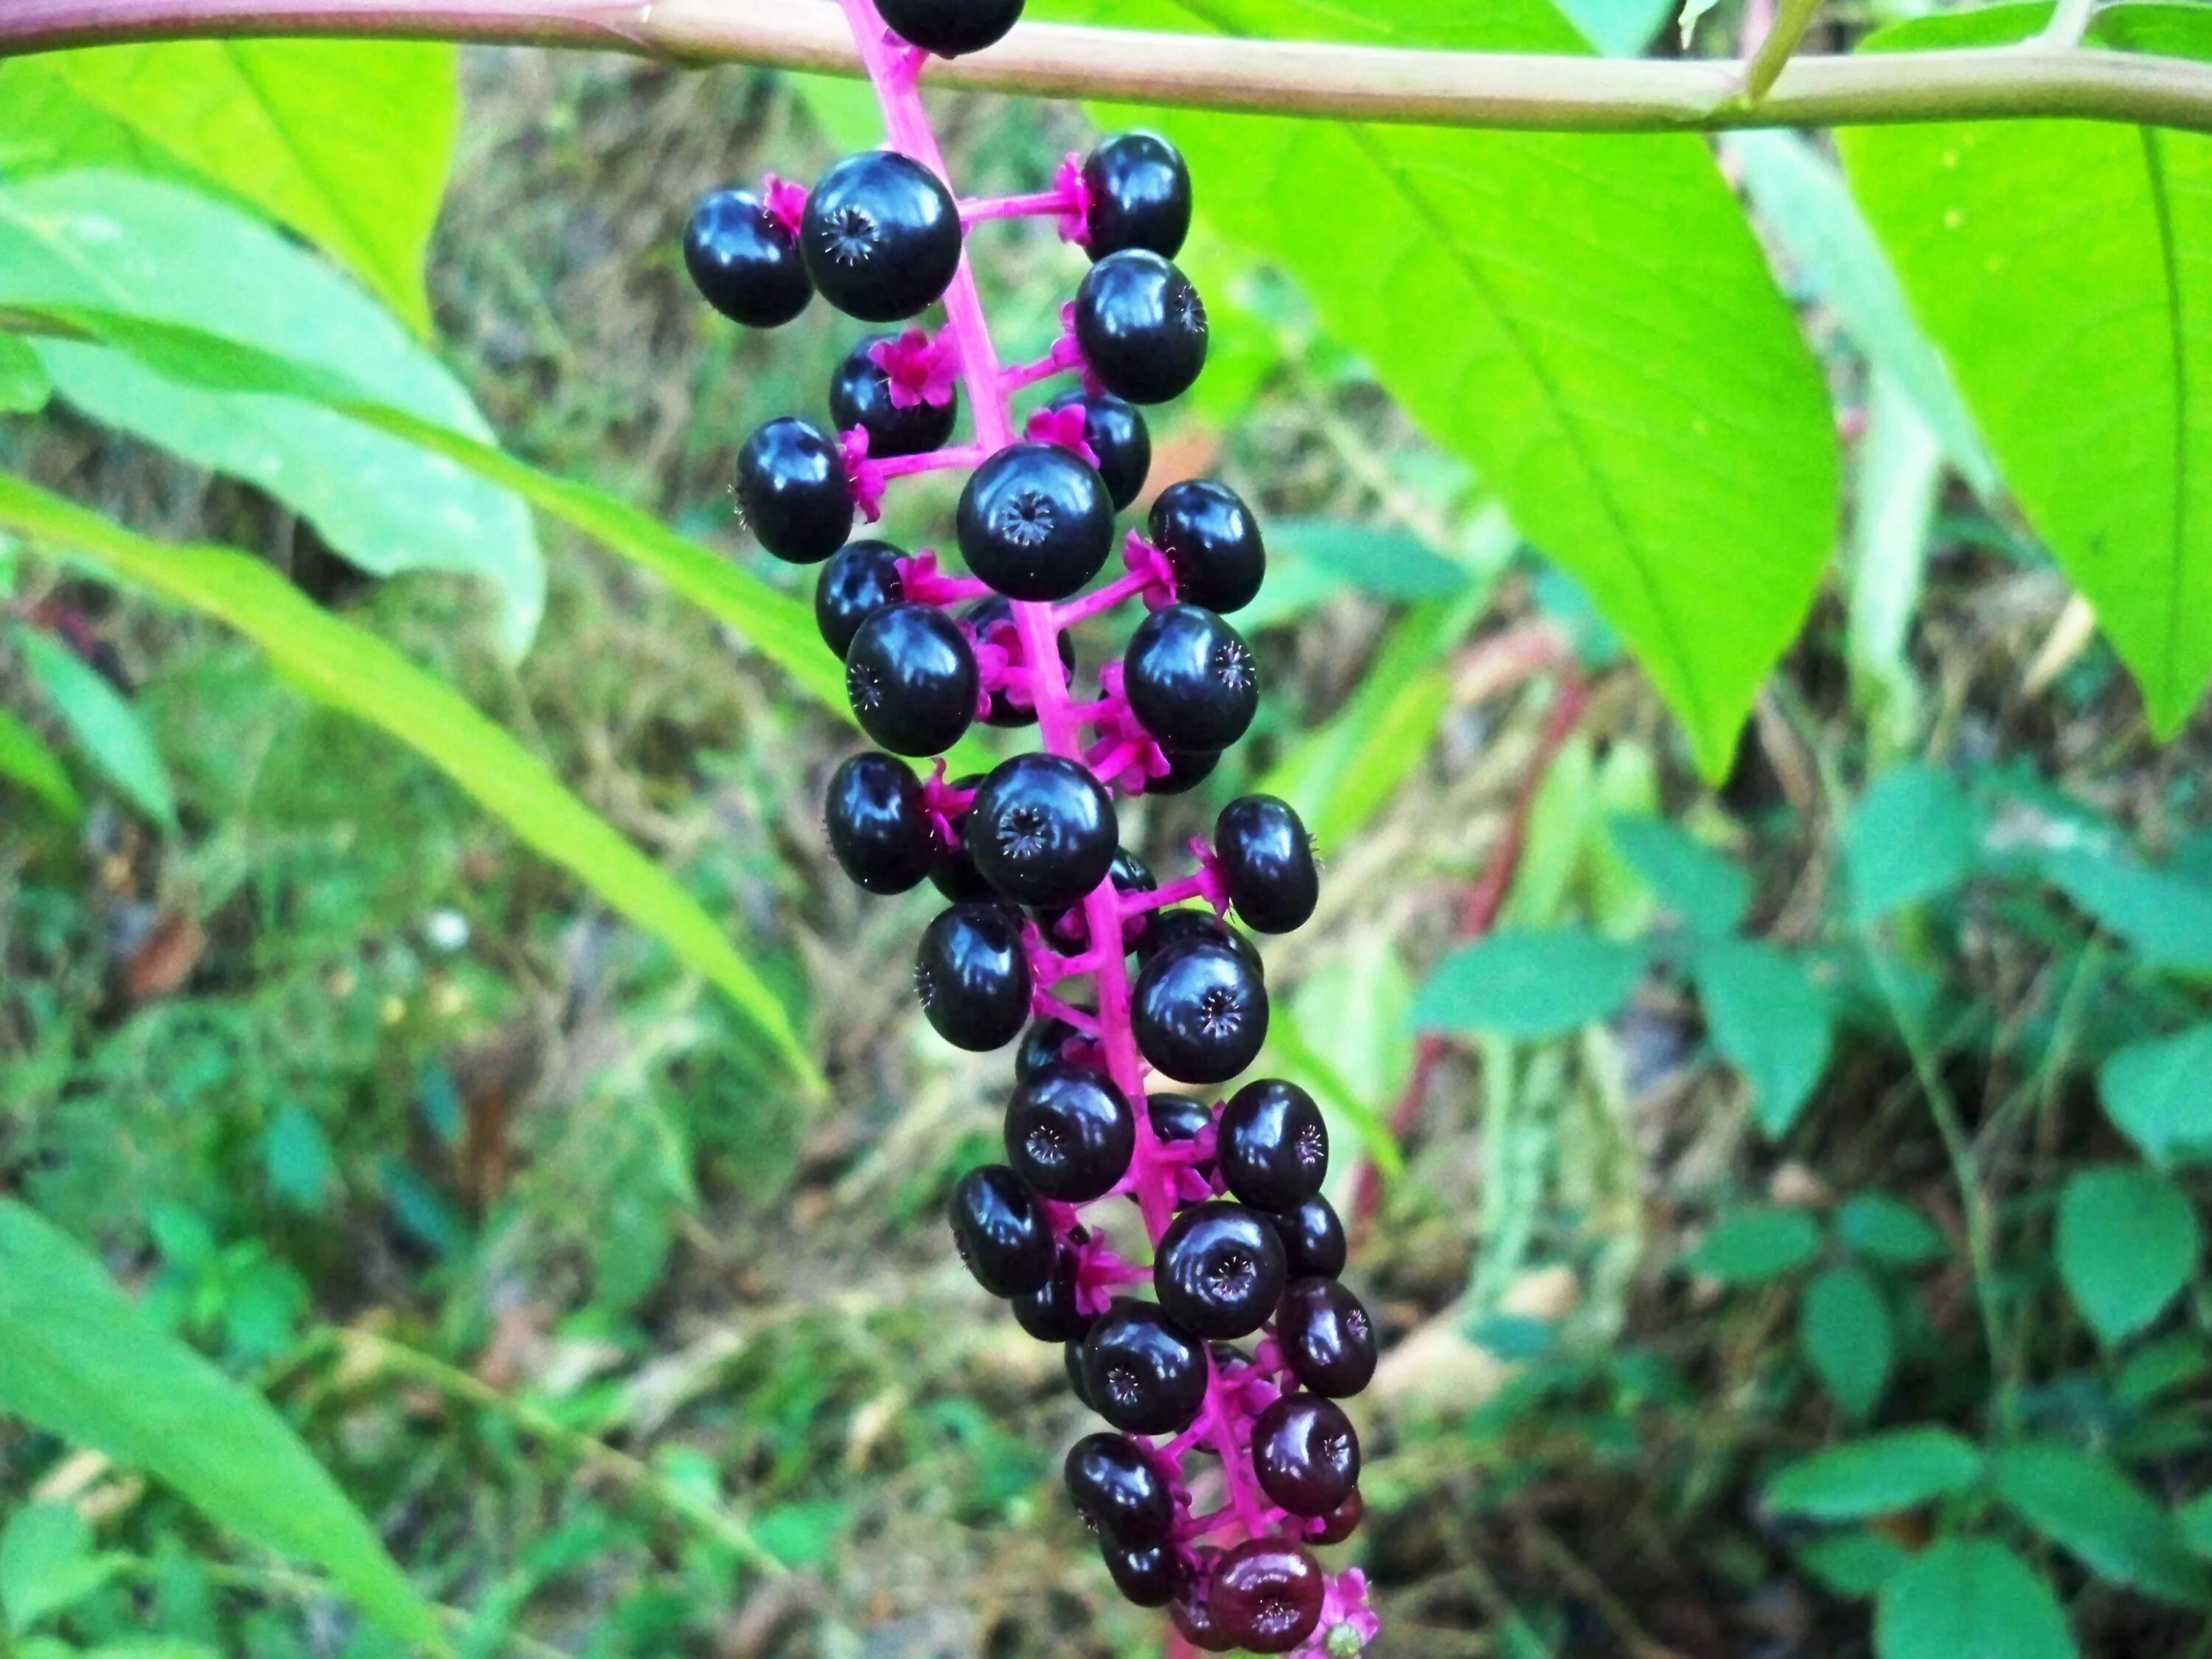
x: 933, y: 460
x: 1032, y: 206
x: 1092, y: 605
x: 1024, y: 374
x: 1158, y: 898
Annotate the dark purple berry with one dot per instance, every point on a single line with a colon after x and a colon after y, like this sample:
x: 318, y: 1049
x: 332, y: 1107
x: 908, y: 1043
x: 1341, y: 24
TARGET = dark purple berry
x: 1150, y: 1576
x: 1140, y: 196
x: 1200, y: 1013
x: 1165, y: 929
x: 744, y: 262
x: 1035, y: 522
x: 1001, y: 1231
x: 1042, y: 829
x: 951, y: 27
x: 1267, y: 862
x: 1213, y: 545
x: 1146, y: 1374
x: 1327, y: 1336
x: 1219, y: 1270
x: 1049, y: 1042
x: 861, y: 580
x: 1192, y: 1611
x: 1267, y: 1596
x: 1306, y: 1454
x: 972, y: 976
x: 1179, y: 1118
x: 881, y: 236
x: 1340, y: 1523
x: 954, y: 873
x: 1049, y: 1313
x: 1119, y: 1490
x: 1115, y: 431
x: 1313, y: 1239
x: 1184, y: 773
x: 1141, y: 326
x: 1065, y: 929
x: 1273, y: 1146
x: 792, y: 492
x: 993, y: 619
x: 877, y: 829
x: 860, y: 395
x: 1070, y: 1133
x: 1190, y: 679
x: 910, y: 675
x: 1071, y: 1359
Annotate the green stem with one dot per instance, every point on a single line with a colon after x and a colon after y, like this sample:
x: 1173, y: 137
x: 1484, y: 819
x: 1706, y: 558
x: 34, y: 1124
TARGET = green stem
x: 1766, y: 65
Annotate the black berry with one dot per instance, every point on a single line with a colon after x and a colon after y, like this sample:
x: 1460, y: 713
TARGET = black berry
x: 1141, y: 326
x: 1048, y: 1042
x: 911, y: 677
x: 1219, y: 1270
x: 1049, y: 1313
x: 1035, y: 522
x: 1267, y: 860
x: 1070, y: 1133
x: 1313, y: 1239
x: 1267, y: 1596
x: 1147, y: 1375
x: 1273, y: 1146
x: 1150, y: 1576
x: 1185, y: 773
x: 1064, y: 929
x: 972, y: 976
x: 1165, y: 929
x: 1114, y: 428
x: 881, y: 236
x: 1117, y: 1487
x: 1306, y: 1454
x: 1327, y: 1336
x: 1340, y: 1523
x: 861, y: 580
x: 860, y: 395
x: 1001, y: 1231
x: 1200, y: 1013
x: 951, y: 27
x: 1140, y: 196
x: 1192, y: 1611
x: 1042, y: 829
x: 1179, y: 1118
x: 1071, y: 1359
x: 953, y: 872
x: 993, y: 619
x: 744, y: 262
x: 877, y: 829
x: 792, y: 492
x: 1190, y: 679
x: 1212, y: 543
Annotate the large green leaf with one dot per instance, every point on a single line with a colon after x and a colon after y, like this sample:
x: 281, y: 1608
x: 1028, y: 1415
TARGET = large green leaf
x: 78, y: 1360
x: 2085, y: 1505
x: 107, y: 729
x: 1878, y: 1475
x: 1769, y: 1020
x: 352, y: 670
x: 2128, y: 1243
x: 1588, y: 319
x: 1964, y: 1598
x: 2058, y: 265
x: 348, y: 143
x: 1528, y: 984
x: 25, y: 760
x: 113, y: 242
x: 2159, y: 1095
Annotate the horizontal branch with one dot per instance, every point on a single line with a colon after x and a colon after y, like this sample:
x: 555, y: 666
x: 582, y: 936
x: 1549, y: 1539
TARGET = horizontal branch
x: 1438, y: 89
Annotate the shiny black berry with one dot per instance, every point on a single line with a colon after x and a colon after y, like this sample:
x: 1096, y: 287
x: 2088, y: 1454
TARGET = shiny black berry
x: 1313, y: 1238
x: 972, y: 976
x: 1306, y: 1454
x: 877, y: 829
x: 861, y: 580
x: 1049, y: 1043
x: 1071, y: 1359
x: 881, y: 236
x: 1049, y: 1313
x: 792, y: 493
x: 1327, y: 1336
x: 1147, y: 1375
x: 1164, y: 929
x: 1185, y: 773
x: 1200, y: 1013
x: 1065, y: 930
x: 1340, y: 1523
x: 1179, y: 1118
x: 1192, y: 1611
x: 1212, y: 543
x: 951, y: 27
x: 1114, y: 428
x: 1001, y: 1231
x: 1273, y: 1146
x: 1150, y: 1576
x: 1119, y: 1490
x: 1070, y: 1133
x: 911, y: 677
x: 1190, y: 679
x: 1140, y: 196
x: 953, y: 872
x: 1267, y: 1596
x: 1035, y: 522
x: 1219, y: 1270
x: 993, y: 619
x: 1042, y: 829
x: 1267, y: 862
x: 860, y: 395
x: 744, y: 262
x: 1141, y: 326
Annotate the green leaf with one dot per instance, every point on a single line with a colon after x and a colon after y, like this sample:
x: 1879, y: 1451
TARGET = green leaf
x: 1963, y: 1598
x: 24, y: 387
x: 1387, y: 563
x: 1587, y: 319
x: 2161, y: 1368
x: 1705, y: 887
x: 2167, y: 920
x: 2159, y: 1095
x: 1755, y: 1243
x: 298, y: 1158
x: 1855, y: 1563
x: 1528, y: 984
x: 2128, y: 1243
x: 1889, y: 1231
x: 116, y: 244
x: 25, y: 760
x: 2194, y: 1519
x: 1880, y: 1475
x: 348, y: 143
x: 79, y: 1361
x: 353, y: 671
x: 105, y: 727
x: 2082, y: 344
x: 1899, y: 472
x: 1845, y: 1329
x: 1911, y: 837
x: 1769, y: 1020
x: 2086, y: 1507
x: 47, y: 1563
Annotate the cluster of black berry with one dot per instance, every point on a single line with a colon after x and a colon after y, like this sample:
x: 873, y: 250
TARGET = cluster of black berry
x: 1244, y: 1250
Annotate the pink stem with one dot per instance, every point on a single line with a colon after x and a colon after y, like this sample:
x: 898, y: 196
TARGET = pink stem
x: 933, y: 460
x: 1053, y: 1008
x: 1013, y: 380
x: 1035, y: 205
x: 1092, y: 605
x: 1158, y: 898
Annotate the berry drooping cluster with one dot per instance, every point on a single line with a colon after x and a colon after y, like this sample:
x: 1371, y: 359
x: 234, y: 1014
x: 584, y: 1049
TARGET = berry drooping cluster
x: 1231, y: 1459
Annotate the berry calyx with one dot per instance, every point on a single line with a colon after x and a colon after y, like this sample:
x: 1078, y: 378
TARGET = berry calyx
x: 1200, y: 1013
x: 910, y: 676
x: 993, y: 622
x: 950, y: 28
x: 1119, y: 1490
x: 952, y: 871
x: 1212, y: 543
x: 1266, y: 861
x: 1190, y: 679
x: 1219, y: 1270
x: 1137, y: 195
x: 1070, y: 1133
x: 862, y: 579
x: 1141, y: 326
x: 878, y: 823
x: 1001, y: 1231
x: 1273, y: 1145
x: 1306, y: 1454
x: 1114, y: 429
x: 744, y: 261
x: 793, y: 491
x: 973, y: 976
x: 1267, y: 1596
x: 861, y: 394
x: 1146, y: 1374
x: 881, y: 236
x: 1035, y: 522
x: 1327, y: 1336
x: 1042, y: 831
